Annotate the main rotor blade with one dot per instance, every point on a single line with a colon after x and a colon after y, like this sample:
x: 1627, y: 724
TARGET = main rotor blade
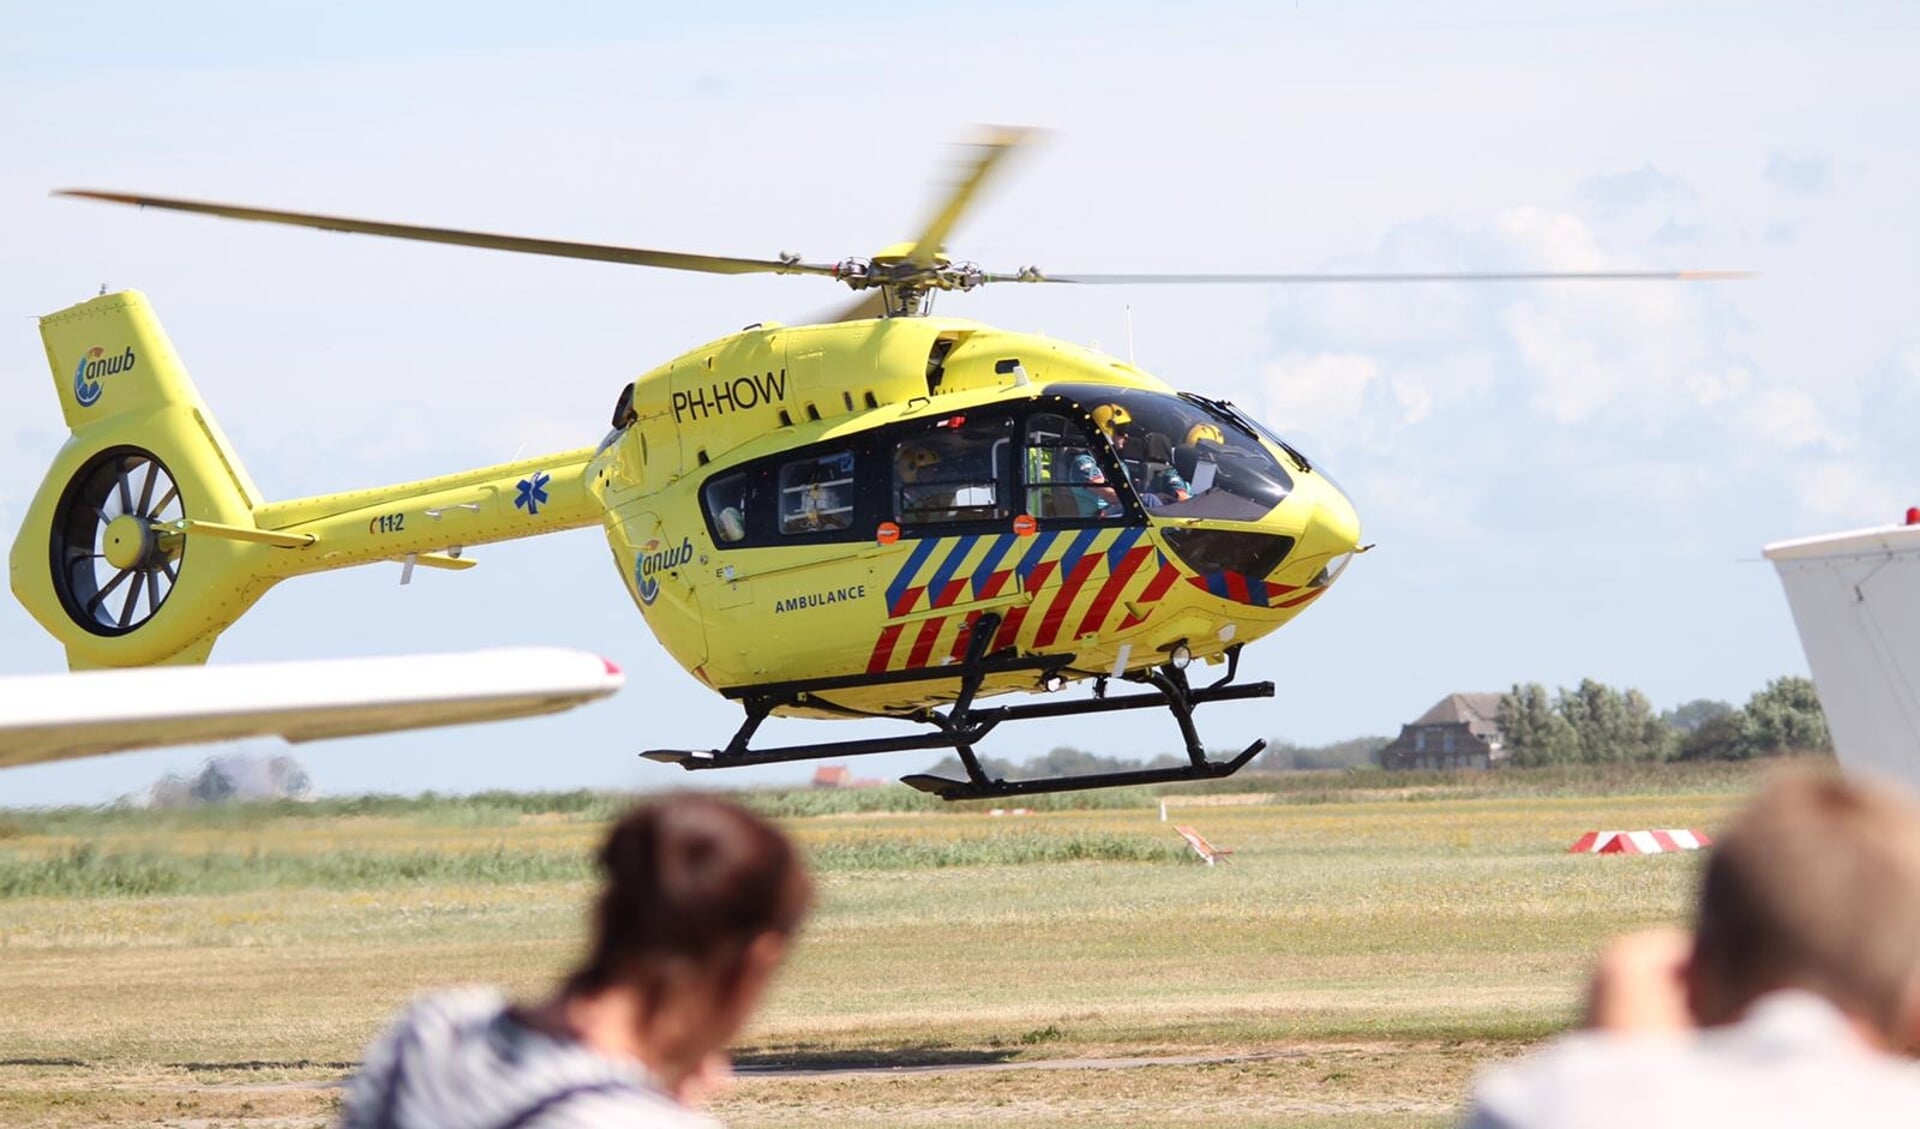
x: 633, y: 256
x: 988, y: 154
x: 1034, y: 275
x: 871, y: 303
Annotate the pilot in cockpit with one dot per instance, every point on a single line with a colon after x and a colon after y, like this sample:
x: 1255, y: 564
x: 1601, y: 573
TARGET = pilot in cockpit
x: 1146, y: 456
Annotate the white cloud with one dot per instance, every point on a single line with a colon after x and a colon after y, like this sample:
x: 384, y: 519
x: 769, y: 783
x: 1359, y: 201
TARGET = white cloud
x: 1355, y: 401
x: 1627, y: 352
x: 1799, y: 172
x: 1407, y: 500
x: 1423, y: 387
x: 1630, y: 189
x: 1847, y: 494
x: 1324, y: 391
x: 1619, y: 349
x: 1785, y: 419
x: 1674, y: 232
x: 1573, y: 383
x: 1710, y: 387
x: 1551, y: 240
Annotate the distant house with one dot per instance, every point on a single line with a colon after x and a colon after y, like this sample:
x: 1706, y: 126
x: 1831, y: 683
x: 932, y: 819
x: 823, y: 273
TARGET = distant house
x: 833, y: 776
x: 1458, y: 732
x: 840, y: 776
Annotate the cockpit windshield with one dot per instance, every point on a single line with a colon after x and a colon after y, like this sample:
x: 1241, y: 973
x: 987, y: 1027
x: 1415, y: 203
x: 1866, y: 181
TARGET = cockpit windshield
x: 1185, y: 457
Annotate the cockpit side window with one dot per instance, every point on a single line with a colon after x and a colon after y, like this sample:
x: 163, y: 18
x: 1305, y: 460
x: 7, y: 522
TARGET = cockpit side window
x: 954, y: 471
x: 1065, y: 477
x: 1184, y: 458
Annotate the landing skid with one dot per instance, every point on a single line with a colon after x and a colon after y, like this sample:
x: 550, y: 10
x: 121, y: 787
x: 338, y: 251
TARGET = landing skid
x: 961, y: 726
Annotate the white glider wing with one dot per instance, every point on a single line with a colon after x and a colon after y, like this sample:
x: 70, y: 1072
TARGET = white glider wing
x: 1856, y: 600
x: 87, y: 713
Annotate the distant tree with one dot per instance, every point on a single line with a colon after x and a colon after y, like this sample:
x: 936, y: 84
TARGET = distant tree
x: 288, y: 779
x: 171, y: 791
x: 1285, y: 756
x: 1723, y: 737
x: 1609, y: 725
x: 1534, y: 732
x: 1786, y: 716
x: 212, y: 786
x: 1656, y: 738
x: 1354, y: 752
x: 995, y: 768
x: 1063, y: 760
x: 234, y: 778
x: 1690, y: 716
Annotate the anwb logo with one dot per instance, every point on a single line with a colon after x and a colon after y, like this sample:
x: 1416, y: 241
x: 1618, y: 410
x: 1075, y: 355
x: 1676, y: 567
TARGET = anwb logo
x: 653, y: 561
x: 94, y: 364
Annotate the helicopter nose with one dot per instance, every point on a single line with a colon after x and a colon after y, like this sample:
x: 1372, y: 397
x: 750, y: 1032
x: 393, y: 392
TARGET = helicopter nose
x: 1330, y: 538
x: 1335, y: 526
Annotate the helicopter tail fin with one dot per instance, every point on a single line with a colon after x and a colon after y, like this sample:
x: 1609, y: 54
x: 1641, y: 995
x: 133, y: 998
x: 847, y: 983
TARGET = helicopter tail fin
x: 101, y: 559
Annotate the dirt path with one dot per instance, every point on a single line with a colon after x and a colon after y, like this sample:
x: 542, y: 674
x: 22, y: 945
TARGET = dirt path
x: 870, y: 1070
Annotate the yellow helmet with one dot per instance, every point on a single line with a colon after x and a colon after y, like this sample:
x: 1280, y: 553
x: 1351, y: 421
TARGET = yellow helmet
x: 912, y: 460
x: 1111, y: 418
x: 1205, y: 431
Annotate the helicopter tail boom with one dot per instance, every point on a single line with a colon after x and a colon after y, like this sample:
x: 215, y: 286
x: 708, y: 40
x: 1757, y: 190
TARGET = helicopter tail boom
x: 147, y: 538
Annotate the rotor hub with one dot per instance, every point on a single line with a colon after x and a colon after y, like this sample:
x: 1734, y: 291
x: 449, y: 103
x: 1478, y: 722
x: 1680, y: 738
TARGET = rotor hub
x: 128, y: 541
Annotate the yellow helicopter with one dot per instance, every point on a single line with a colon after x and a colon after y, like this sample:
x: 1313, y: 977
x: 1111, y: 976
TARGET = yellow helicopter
x: 889, y: 514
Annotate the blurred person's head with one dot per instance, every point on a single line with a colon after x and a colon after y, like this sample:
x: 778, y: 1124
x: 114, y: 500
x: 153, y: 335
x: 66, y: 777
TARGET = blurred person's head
x: 1816, y: 886
x: 701, y: 898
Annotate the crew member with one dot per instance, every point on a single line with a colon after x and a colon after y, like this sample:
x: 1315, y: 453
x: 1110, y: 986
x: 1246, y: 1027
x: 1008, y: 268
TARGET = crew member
x: 913, y: 467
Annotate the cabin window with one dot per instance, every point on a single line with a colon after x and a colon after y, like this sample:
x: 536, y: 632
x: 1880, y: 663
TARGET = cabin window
x: 952, y: 472
x: 816, y: 493
x: 726, y: 501
x: 1065, y: 477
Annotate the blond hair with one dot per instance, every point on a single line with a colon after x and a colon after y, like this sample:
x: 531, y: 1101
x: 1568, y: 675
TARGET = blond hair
x: 1815, y: 886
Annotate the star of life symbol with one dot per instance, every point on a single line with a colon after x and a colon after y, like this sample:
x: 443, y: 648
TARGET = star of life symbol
x: 533, y: 492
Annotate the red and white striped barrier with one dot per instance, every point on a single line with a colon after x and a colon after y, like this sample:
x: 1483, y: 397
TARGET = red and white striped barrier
x: 1639, y: 842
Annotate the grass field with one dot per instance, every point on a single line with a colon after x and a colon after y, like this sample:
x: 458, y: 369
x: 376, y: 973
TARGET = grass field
x: 1375, y: 939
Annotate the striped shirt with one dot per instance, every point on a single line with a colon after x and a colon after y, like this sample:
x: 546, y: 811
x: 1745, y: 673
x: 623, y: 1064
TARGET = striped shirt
x: 460, y: 1060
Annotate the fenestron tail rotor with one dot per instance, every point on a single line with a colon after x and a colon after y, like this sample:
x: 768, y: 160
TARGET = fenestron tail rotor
x: 114, y: 563
x: 903, y: 276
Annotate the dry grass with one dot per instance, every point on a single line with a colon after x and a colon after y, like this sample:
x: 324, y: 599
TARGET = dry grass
x: 1379, y: 948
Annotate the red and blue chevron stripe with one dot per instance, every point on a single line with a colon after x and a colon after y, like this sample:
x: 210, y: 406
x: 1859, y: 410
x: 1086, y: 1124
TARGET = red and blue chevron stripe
x: 1243, y: 589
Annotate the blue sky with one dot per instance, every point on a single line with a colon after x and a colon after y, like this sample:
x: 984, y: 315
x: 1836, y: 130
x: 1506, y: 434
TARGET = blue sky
x: 1561, y: 482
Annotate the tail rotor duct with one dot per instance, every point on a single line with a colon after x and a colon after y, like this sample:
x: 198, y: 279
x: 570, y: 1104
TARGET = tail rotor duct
x: 114, y: 560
